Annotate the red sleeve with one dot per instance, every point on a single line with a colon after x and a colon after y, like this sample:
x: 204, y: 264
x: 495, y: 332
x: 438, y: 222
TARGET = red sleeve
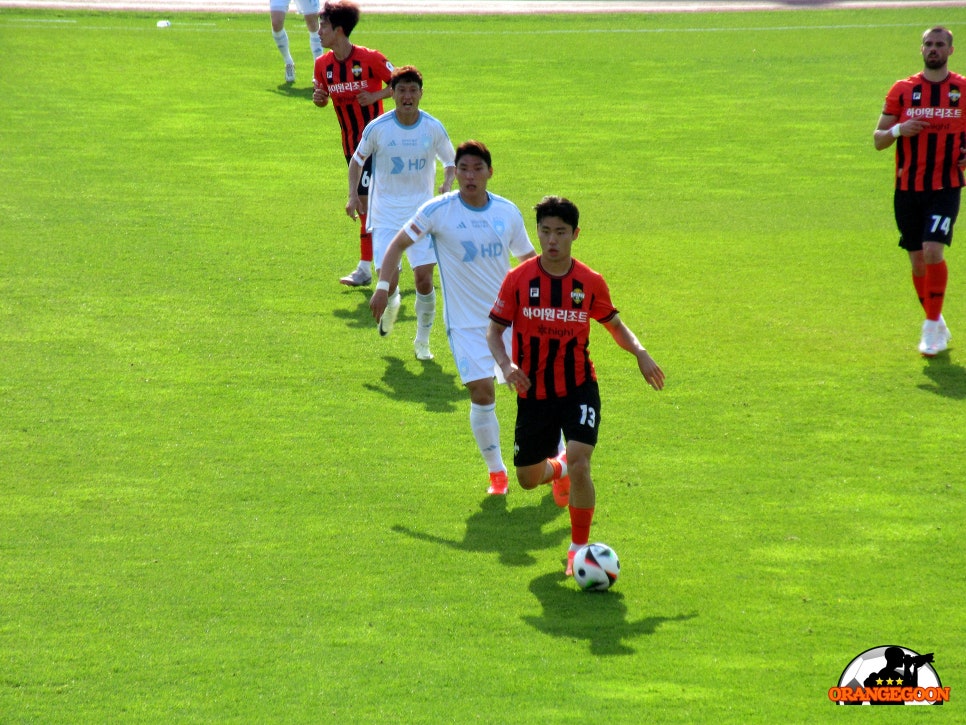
x: 895, y: 102
x: 379, y: 69
x: 385, y: 68
x: 318, y: 72
x: 602, y: 309
x: 505, y: 306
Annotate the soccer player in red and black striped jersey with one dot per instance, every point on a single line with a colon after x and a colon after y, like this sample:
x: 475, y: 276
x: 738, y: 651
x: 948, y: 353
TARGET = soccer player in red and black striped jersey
x: 924, y: 116
x: 356, y: 80
x: 550, y: 301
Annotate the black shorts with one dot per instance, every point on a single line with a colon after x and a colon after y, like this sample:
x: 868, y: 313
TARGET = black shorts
x: 539, y: 423
x: 365, y: 181
x: 925, y: 216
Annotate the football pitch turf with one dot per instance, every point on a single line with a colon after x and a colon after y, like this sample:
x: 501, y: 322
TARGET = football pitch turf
x: 223, y: 498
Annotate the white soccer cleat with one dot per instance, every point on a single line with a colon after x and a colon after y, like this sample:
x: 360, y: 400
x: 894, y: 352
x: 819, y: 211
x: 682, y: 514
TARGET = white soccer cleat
x: 422, y: 350
x: 943, y: 330
x: 389, y: 315
x: 933, y: 340
x: 357, y: 278
x: 290, y: 72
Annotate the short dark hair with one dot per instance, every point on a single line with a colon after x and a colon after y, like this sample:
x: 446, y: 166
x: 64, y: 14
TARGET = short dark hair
x: 474, y: 148
x: 941, y: 29
x: 405, y: 74
x: 560, y: 207
x: 341, y: 14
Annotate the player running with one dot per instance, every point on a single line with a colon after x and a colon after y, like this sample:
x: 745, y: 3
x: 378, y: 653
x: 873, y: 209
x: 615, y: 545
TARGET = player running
x: 352, y: 77
x: 473, y: 233
x: 308, y: 9
x: 405, y: 143
x: 550, y: 301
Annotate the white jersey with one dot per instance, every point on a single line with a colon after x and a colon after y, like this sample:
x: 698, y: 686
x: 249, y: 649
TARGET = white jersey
x: 473, y: 248
x: 403, y: 166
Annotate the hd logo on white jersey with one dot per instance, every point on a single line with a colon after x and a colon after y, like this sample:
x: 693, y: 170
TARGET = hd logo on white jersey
x: 400, y: 164
x: 483, y: 251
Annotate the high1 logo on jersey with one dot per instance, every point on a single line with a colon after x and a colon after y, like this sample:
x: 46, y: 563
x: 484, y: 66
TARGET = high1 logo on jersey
x: 934, y: 113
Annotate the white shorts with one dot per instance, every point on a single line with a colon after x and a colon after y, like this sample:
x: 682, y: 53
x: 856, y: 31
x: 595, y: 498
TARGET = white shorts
x: 306, y: 7
x: 472, y: 354
x: 418, y: 254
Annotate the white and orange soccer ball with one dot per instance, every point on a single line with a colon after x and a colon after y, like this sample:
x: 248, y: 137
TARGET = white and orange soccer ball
x: 596, y: 567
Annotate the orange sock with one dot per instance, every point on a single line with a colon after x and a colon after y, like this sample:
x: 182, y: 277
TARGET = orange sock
x: 580, y: 520
x: 920, y: 284
x: 936, y: 278
x: 557, y: 467
x: 365, y: 240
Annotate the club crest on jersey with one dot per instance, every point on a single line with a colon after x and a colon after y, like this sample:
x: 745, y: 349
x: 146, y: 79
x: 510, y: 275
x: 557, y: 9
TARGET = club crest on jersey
x: 356, y: 70
x: 577, y: 296
x: 954, y: 95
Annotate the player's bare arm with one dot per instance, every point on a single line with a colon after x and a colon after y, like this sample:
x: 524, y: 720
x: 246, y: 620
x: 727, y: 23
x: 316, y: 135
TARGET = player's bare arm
x: 320, y: 97
x: 354, y: 206
x: 627, y: 340
x: 369, y: 98
x: 389, y: 273
x: 449, y: 176
x: 889, y: 129
x: 515, y: 378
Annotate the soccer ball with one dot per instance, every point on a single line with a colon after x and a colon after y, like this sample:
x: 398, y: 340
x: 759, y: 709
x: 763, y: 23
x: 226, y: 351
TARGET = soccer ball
x: 596, y: 567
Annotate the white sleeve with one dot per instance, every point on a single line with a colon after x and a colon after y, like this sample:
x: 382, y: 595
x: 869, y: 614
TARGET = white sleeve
x: 520, y: 243
x: 418, y: 226
x: 364, y: 149
x: 444, y: 149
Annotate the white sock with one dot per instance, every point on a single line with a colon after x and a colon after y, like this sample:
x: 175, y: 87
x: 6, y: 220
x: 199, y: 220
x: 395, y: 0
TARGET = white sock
x: 316, y: 44
x: 395, y: 299
x: 364, y: 265
x: 486, y: 430
x: 281, y: 40
x: 425, y: 309
x: 563, y: 467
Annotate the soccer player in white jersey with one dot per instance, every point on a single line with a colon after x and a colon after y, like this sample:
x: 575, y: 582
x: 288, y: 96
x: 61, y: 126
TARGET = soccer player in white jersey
x: 404, y: 144
x: 473, y: 233
x: 308, y: 9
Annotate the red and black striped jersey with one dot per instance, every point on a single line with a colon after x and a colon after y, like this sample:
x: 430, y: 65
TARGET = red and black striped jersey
x: 363, y: 69
x: 930, y: 160
x: 551, y: 324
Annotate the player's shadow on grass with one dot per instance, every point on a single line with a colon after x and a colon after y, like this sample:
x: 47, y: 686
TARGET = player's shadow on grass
x: 360, y: 318
x: 290, y: 91
x: 510, y: 533
x: 431, y: 387
x: 598, y: 617
x: 948, y: 379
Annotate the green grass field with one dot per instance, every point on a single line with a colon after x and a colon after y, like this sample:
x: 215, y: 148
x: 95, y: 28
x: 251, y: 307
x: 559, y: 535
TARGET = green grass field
x: 223, y: 498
